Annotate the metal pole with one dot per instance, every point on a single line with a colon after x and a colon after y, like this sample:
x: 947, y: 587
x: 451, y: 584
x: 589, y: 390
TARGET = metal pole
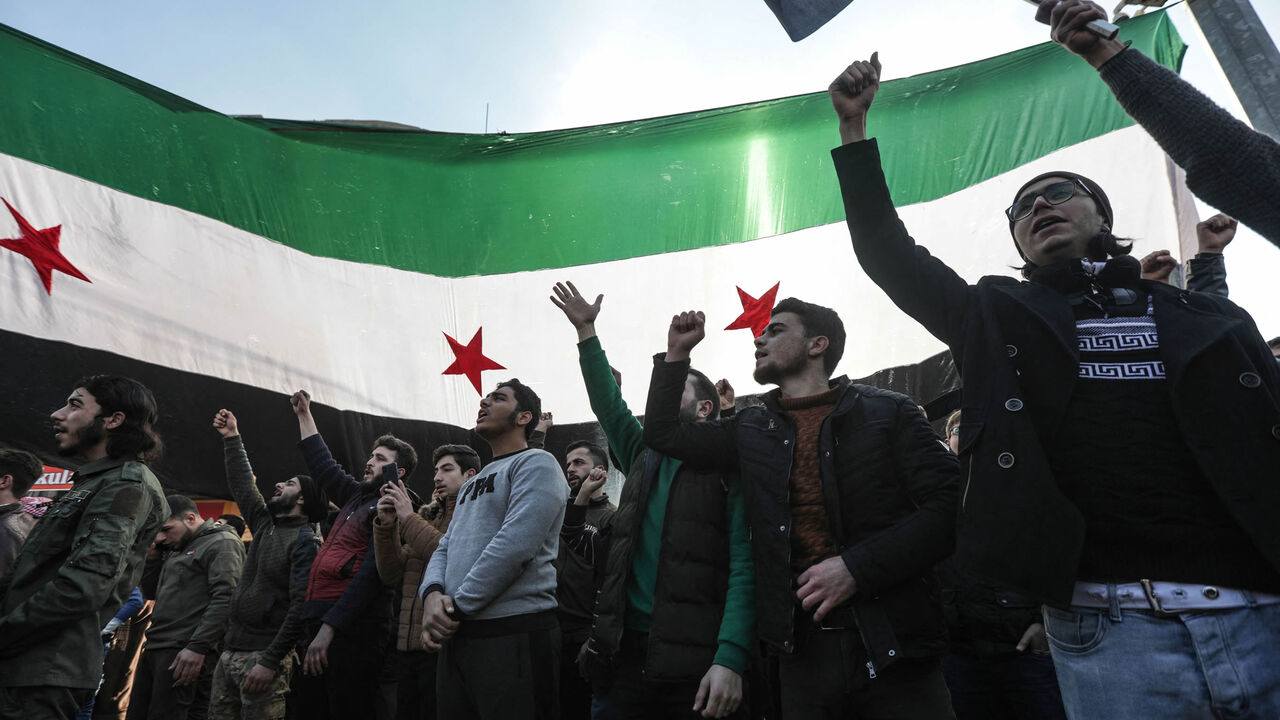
x: 1247, y: 55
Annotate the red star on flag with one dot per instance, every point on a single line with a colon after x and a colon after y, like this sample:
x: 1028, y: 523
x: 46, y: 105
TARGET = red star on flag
x: 470, y: 360
x: 41, y: 248
x: 755, y: 312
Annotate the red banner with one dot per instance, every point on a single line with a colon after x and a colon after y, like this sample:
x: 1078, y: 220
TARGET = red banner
x: 54, y: 478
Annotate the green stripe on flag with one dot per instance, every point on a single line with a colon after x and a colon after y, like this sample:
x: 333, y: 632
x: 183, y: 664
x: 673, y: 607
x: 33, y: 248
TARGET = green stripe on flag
x: 455, y: 205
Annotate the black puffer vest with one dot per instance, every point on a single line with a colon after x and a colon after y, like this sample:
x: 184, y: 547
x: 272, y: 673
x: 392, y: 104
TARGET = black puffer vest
x: 693, y: 570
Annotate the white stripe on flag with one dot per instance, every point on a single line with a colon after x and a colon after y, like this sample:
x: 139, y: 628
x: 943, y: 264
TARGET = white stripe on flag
x: 181, y: 290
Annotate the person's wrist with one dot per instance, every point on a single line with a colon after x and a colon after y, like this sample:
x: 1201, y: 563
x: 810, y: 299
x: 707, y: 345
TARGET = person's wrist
x: 676, y: 354
x: 586, y: 331
x: 853, y: 129
x: 1102, y: 51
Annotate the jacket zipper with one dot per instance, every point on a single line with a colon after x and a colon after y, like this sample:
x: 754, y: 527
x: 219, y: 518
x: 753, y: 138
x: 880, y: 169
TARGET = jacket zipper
x: 871, y: 662
x: 968, y: 478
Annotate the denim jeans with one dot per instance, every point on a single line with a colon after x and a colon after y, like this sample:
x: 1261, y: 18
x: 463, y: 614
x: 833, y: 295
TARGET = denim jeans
x: 1135, y: 664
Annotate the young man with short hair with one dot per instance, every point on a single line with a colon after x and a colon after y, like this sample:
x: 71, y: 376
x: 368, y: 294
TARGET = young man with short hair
x: 675, y: 616
x: 347, y: 613
x: 851, y: 501
x: 85, y: 555
x: 403, y: 541
x: 258, y: 658
x: 199, y: 567
x: 18, y: 472
x: 490, y: 586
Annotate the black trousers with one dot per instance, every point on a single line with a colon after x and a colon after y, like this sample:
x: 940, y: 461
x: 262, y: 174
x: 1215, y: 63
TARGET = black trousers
x: 43, y: 702
x: 349, y: 686
x: 827, y: 677
x: 408, y: 686
x: 575, y: 691
x: 155, y: 698
x: 508, y: 677
x: 632, y: 696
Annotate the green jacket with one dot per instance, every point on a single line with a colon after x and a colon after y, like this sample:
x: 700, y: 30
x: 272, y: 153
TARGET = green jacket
x: 735, y: 638
x: 75, y: 571
x: 193, y: 599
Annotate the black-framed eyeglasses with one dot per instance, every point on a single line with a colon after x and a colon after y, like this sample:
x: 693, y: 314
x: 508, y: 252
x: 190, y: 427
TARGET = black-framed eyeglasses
x: 1055, y: 194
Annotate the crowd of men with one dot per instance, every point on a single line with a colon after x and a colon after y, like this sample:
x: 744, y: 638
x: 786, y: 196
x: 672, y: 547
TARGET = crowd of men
x: 1092, y: 536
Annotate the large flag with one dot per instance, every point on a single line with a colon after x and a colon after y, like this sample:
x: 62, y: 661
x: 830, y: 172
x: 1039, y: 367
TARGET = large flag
x: 395, y: 273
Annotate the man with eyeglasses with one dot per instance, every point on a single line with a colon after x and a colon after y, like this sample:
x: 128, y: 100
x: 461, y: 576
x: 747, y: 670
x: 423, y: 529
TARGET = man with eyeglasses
x: 1119, y: 441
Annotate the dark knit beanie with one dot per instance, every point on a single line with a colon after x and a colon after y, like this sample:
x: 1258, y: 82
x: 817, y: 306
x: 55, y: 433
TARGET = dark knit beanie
x: 315, y: 503
x: 1099, y: 197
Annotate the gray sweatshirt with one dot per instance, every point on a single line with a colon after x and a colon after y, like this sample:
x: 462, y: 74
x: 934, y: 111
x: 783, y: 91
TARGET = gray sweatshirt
x: 497, y: 557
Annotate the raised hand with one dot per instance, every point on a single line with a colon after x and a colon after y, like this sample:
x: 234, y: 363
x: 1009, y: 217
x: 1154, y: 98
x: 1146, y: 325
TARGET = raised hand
x: 398, y: 495
x: 851, y: 95
x: 1067, y: 20
x: 594, y: 481
x: 545, y: 422
x: 1158, y: 265
x: 725, y: 391
x: 575, y: 307
x: 301, y: 402
x: 1216, y: 233
x: 225, y: 423
x: 686, y: 330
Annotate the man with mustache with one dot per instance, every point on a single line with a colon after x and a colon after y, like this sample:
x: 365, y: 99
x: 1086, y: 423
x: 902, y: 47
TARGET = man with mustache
x: 1119, y: 436
x: 85, y: 555
x: 198, y: 568
x: 490, y: 587
x: 347, y: 613
x: 253, y: 672
x: 576, y: 582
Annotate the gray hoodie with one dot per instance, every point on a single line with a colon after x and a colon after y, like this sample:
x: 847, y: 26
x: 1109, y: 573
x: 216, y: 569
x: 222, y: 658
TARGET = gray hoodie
x: 497, y: 557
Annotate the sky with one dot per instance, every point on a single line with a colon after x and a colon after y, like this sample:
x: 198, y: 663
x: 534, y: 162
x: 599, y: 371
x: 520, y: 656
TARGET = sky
x: 559, y: 63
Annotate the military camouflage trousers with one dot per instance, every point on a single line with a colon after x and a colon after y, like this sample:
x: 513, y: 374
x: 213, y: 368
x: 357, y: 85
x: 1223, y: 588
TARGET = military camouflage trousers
x: 228, y: 701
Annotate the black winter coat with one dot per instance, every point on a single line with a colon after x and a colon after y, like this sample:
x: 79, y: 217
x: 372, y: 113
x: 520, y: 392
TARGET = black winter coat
x: 693, y: 568
x: 1015, y: 346
x: 890, y: 491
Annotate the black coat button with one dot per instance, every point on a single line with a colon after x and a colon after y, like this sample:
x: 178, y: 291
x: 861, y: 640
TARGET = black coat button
x: 1013, y: 404
x: 1011, y: 349
x: 1005, y: 460
x: 1250, y: 380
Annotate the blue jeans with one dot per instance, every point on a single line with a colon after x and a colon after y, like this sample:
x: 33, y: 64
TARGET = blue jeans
x: 1196, y: 665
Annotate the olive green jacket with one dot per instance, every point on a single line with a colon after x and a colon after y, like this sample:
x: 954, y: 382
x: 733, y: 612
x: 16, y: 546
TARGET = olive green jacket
x: 75, y: 571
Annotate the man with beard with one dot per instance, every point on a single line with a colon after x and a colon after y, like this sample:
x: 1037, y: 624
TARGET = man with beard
x: 252, y: 676
x: 490, y: 588
x: 674, y: 616
x: 200, y: 565
x: 347, y: 613
x: 576, y: 576
x: 84, y: 557
x: 851, y: 501
x: 1159, y: 569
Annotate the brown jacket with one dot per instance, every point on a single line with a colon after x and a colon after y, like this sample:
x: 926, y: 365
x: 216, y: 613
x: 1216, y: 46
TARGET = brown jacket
x: 402, y: 551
